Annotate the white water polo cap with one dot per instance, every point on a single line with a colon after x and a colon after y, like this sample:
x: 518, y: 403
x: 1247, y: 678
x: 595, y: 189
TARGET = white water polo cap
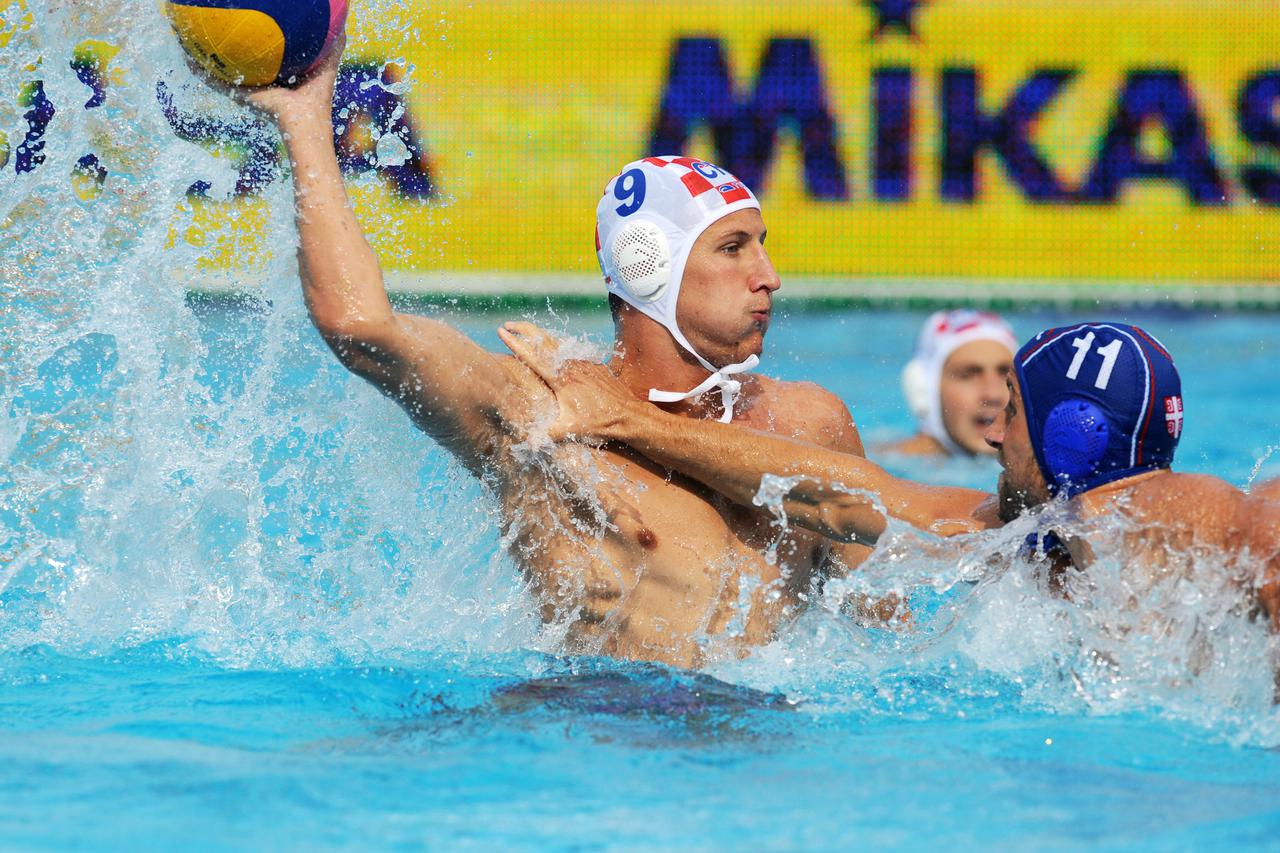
x: 942, y: 334
x: 646, y: 224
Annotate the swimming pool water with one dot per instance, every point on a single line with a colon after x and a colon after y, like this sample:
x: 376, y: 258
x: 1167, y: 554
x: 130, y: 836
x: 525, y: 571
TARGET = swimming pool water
x: 140, y: 750
x: 274, y: 614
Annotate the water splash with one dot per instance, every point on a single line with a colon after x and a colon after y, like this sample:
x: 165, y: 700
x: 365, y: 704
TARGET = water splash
x: 992, y: 631
x: 209, y: 476
x: 172, y: 471
x: 1259, y: 466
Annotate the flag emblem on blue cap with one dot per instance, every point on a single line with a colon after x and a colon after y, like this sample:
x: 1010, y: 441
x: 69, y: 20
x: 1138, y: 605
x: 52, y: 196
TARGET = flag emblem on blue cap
x: 1173, y: 415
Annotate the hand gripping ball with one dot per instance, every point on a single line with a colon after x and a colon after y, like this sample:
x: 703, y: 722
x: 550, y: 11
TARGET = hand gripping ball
x: 257, y: 42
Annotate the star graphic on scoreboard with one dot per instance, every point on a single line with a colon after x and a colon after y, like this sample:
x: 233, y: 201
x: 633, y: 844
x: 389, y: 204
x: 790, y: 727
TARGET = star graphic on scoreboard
x: 894, y: 15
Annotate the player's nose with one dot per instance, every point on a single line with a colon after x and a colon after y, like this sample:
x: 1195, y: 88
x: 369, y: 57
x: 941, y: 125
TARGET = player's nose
x: 995, y: 390
x: 994, y: 434
x: 765, y: 277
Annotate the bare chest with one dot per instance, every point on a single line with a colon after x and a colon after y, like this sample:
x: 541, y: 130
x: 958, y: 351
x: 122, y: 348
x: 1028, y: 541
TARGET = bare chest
x: 637, y: 555
x: 613, y: 504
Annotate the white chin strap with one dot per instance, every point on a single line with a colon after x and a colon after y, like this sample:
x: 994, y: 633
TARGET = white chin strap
x: 729, y: 388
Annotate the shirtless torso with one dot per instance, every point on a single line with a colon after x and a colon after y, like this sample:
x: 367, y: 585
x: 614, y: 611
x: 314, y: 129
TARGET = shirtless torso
x: 1156, y: 524
x: 644, y: 563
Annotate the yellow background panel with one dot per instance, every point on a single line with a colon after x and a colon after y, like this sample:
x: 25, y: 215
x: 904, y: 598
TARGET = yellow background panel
x: 528, y: 108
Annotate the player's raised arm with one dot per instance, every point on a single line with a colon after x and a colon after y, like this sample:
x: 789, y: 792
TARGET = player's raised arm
x: 451, y: 387
x: 837, y: 493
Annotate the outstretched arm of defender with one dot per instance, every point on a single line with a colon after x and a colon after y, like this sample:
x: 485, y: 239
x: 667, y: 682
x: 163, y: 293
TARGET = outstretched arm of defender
x: 839, y: 495
x: 449, y: 385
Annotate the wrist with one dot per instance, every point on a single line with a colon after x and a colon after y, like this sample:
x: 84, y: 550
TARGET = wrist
x: 305, y: 123
x: 310, y: 149
x: 635, y: 420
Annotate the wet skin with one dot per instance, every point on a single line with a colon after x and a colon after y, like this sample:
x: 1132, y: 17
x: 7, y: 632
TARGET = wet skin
x: 668, y: 570
x: 1165, y: 519
x: 1269, y: 490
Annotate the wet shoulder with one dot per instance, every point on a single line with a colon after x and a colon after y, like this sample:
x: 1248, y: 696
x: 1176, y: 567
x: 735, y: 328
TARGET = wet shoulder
x: 1213, y: 505
x: 809, y: 412
x: 1203, y: 486
x: 1267, y: 491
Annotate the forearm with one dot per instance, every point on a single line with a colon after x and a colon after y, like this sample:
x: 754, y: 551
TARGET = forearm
x: 734, y: 461
x: 839, y: 495
x: 450, y: 386
x: 341, y: 279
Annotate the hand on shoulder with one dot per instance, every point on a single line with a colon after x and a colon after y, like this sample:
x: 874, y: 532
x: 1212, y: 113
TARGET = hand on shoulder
x: 592, y: 401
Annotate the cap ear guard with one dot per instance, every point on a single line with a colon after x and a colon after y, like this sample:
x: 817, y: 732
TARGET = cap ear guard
x: 642, y: 258
x: 915, y: 387
x: 1074, y: 444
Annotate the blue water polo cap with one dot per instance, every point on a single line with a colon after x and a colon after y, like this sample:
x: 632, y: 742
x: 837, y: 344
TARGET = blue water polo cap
x: 1103, y: 402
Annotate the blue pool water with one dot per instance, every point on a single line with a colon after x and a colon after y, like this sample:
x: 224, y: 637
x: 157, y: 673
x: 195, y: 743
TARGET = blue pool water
x: 256, y: 606
x: 244, y: 603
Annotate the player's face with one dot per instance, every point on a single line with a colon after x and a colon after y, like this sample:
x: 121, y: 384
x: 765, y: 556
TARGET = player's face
x: 974, y: 388
x: 726, y: 295
x: 1022, y: 485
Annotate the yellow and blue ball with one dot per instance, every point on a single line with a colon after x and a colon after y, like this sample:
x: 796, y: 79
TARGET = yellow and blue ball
x: 257, y: 42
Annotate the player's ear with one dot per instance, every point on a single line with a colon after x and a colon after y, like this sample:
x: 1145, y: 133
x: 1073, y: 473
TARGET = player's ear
x: 642, y: 257
x: 1075, y: 439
